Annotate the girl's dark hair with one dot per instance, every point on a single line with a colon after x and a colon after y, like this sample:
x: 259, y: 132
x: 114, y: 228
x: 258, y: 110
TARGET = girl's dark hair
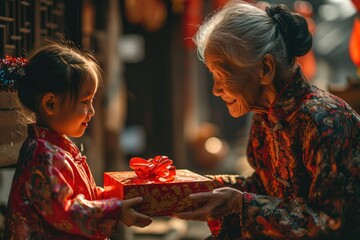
x: 58, y: 67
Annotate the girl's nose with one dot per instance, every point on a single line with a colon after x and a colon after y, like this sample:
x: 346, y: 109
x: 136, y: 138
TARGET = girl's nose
x: 91, y: 110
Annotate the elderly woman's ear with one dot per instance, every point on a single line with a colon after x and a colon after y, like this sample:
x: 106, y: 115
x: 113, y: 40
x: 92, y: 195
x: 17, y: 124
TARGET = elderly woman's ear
x: 267, y: 69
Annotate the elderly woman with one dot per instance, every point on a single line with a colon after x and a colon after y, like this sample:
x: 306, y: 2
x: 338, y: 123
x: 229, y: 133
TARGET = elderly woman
x: 304, y: 143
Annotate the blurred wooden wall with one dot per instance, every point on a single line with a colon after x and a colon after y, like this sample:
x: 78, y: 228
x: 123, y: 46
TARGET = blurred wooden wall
x: 23, y: 23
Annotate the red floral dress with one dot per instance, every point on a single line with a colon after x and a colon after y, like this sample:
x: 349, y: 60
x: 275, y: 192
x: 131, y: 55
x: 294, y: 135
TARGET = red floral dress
x: 306, y: 156
x: 53, y: 193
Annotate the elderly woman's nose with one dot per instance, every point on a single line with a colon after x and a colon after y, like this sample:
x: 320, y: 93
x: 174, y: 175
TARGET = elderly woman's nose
x: 217, y: 89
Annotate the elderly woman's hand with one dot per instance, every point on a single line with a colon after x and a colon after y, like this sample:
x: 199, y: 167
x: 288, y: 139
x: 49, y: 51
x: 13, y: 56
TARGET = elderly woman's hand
x: 214, y: 205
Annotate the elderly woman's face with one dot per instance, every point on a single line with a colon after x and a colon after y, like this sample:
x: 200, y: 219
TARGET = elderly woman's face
x: 237, y: 87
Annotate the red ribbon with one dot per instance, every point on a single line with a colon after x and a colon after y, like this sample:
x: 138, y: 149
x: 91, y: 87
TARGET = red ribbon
x: 158, y: 168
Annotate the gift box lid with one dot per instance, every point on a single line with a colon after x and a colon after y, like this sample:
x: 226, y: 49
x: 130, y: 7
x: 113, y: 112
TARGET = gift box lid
x: 182, y: 176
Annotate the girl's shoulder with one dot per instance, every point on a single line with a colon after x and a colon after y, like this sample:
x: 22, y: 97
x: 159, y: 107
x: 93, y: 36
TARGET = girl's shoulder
x: 37, y: 151
x: 38, y: 154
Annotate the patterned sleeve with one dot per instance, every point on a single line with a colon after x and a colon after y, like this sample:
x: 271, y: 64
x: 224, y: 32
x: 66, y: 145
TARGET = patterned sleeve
x: 249, y: 184
x: 50, y: 191
x: 331, y: 210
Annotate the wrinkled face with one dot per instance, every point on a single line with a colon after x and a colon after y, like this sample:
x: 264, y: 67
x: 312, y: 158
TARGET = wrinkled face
x: 237, y: 87
x: 73, y: 116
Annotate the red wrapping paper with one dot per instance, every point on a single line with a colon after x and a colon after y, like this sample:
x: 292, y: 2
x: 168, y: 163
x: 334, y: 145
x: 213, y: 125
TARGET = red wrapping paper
x: 159, y: 198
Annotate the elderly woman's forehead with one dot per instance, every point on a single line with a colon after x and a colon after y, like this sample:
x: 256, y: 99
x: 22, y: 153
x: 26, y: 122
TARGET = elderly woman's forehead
x: 213, y: 65
x: 212, y: 59
x: 218, y: 64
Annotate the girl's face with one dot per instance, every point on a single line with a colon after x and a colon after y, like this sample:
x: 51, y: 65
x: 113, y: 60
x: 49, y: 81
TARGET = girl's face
x: 73, y: 116
x: 238, y: 88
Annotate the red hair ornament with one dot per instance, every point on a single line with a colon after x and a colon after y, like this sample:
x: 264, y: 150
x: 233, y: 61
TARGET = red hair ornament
x: 11, y: 69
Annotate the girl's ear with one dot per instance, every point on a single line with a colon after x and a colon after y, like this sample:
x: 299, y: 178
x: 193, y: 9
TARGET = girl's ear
x: 267, y: 70
x: 49, y: 103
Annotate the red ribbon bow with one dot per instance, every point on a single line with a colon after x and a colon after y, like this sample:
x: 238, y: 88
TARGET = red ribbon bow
x: 159, y: 168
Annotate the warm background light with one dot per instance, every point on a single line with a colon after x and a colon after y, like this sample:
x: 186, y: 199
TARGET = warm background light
x: 213, y: 145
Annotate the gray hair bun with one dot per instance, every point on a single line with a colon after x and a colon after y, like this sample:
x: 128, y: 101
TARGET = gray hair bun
x: 294, y: 29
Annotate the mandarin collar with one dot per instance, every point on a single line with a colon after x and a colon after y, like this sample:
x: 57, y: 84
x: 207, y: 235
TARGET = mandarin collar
x: 55, y: 138
x: 289, y: 99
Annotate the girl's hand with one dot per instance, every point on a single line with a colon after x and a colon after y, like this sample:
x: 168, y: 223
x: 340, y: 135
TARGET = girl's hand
x: 214, y: 205
x: 130, y: 217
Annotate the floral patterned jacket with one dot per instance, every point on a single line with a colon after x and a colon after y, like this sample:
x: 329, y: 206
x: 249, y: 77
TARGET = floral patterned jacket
x: 306, y: 157
x: 53, y: 193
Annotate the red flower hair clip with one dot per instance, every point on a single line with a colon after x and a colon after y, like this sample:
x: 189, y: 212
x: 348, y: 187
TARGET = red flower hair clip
x: 11, y: 69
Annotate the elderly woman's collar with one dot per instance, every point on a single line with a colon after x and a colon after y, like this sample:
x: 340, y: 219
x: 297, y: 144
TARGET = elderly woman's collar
x: 289, y: 99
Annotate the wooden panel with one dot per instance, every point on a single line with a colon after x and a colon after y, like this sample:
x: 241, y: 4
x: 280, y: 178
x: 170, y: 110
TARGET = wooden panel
x: 24, y: 22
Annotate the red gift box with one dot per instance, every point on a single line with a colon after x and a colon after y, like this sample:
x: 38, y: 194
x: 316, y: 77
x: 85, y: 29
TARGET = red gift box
x: 159, y: 198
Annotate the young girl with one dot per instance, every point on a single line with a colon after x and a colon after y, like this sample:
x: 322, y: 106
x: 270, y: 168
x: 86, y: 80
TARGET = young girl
x: 53, y: 193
